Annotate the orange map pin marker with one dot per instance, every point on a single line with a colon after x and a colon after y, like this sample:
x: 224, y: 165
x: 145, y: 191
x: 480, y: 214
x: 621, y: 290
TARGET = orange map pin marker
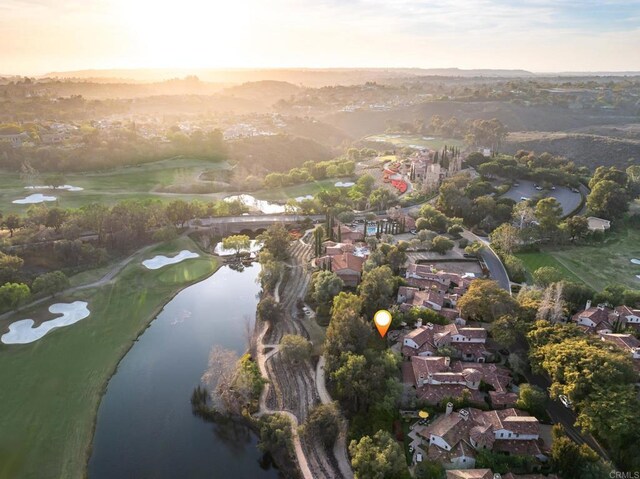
x: 382, y: 319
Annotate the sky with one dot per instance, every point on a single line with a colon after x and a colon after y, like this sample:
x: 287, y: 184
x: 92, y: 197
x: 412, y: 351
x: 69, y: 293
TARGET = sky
x: 39, y: 36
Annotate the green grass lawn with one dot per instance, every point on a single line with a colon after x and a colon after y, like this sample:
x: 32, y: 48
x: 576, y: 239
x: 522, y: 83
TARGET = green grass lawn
x: 294, y: 191
x: 595, y: 265
x: 422, y: 141
x: 109, y: 187
x: 51, y: 388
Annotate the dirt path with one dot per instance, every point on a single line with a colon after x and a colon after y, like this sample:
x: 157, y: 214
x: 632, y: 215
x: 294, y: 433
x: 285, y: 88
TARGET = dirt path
x: 294, y: 392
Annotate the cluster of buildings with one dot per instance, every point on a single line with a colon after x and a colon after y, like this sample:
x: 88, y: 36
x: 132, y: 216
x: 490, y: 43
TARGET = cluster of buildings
x: 607, y: 323
x: 454, y: 438
x: 430, y: 170
x: 488, y: 474
x: 433, y: 289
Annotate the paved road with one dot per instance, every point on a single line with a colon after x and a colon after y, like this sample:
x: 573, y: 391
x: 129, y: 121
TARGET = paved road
x: 497, y: 270
x: 526, y: 189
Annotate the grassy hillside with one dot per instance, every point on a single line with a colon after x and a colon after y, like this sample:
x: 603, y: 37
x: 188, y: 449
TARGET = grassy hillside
x: 585, y: 149
x: 48, y: 413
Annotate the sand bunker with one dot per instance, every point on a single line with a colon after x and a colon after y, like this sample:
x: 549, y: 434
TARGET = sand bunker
x: 262, y: 205
x: 23, y: 332
x: 344, y: 184
x: 50, y: 187
x: 254, y: 248
x: 635, y: 261
x: 159, y: 261
x: 36, y: 198
x: 302, y: 198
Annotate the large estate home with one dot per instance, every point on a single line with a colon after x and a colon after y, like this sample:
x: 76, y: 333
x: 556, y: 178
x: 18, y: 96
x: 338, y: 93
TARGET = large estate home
x: 454, y: 438
x: 347, y: 266
x: 436, y: 290
x: 438, y: 377
x: 468, y: 343
x: 602, y: 319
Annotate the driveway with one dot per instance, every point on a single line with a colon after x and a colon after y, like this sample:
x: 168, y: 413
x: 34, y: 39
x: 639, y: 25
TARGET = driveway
x: 526, y: 189
x: 497, y: 271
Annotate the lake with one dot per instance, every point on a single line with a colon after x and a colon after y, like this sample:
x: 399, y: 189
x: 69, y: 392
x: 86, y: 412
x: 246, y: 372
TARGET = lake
x: 145, y: 427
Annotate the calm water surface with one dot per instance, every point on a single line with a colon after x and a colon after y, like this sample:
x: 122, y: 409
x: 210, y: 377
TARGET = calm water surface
x: 145, y: 426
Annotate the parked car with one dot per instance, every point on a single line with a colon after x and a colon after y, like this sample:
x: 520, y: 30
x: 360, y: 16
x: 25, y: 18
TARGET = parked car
x: 411, y: 449
x: 516, y: 184
x: 469, y: 255
x: 413, y: 232
x: 566, y: 402
x: 539, y: 188
x: 524, y: 198
x: 418, y: 457
x: 575, y: 190
x: 553, y: 187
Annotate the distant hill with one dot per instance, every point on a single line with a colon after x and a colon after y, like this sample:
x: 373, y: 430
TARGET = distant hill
x: 276, y: 153
x: 304, y: 76
x: 271, y: 89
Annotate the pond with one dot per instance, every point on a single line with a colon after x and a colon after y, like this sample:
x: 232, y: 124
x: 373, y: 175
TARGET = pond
x: 145, y: 427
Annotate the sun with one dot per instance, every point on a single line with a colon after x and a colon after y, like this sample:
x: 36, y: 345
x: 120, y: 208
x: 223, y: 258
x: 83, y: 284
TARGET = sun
x: 189, y: 33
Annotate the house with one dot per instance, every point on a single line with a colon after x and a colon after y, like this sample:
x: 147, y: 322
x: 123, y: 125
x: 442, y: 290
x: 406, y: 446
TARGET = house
x: 437, y: 378
x: 347, y: 266
x: 344, y: 233
x: 454, y: 438
x: 602, y: 319
x: 626, y: 342
x: 469, y: 343
x: 595, y: 319
x: 630, y: 316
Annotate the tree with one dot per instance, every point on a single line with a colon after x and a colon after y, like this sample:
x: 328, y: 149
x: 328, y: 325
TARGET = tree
x: 486, y: 301
x: 611, y: 173
x: 237, y: 243
x: 55, y: 218
x: 50, y: 283
x: 347, y: 331
x: 381, y: 198
x: 323, y: 422
x: 376, y: 289
x: 377, y: 457
x: 532, y: 399
x: 577, y: 227
x: 432, y: 219
x: 55, y: 180
x: 276, y: 240
x: 573, y: 461
x: 275, y: 435
x: 13, y: 295
x: 295, y: 348
x: 12, y: 223
x: 429, y: 470
x: 441, y: 244
x: 326, y: 285
x: 548, y: 213
x: 179, y: 212
x: 505, y: 238
x: 546, y: 275
x: 507, y: 329
x: 269, y: 309
x: 608, y: 200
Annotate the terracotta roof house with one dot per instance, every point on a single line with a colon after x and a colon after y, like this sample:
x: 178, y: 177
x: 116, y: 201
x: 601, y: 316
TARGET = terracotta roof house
x: 626, y: 342
x: 469, y: 343
x: 595, y: 319
x: 453, y: 437
x: 347, y: 266
x: 348, y: 234
x: 630, y: 316
x: 437, y: 378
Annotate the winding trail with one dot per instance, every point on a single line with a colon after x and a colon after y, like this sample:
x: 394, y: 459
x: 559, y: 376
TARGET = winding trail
x: 295, y: 391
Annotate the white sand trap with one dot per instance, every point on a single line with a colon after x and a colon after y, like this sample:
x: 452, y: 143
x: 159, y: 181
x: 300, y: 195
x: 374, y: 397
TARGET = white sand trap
x: 50, y: 187
x: 23, y: 332
x: 159, y: 261
x: 638, y: 276
x: 306, y: 197
x: 36, y: 198
x: 253, y: 248
x: 635, y: 261
x: 344, y: 184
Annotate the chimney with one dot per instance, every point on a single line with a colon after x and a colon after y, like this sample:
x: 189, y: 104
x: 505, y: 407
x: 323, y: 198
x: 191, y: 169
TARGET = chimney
x: 588, y: 304
x: 419, y: 323
x: 449, y: 409
x: 464, y: 414
x: 497, y: 476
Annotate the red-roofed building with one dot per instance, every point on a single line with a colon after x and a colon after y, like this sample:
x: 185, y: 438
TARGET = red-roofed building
x: 469, y: 343
x: 347, y: 266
